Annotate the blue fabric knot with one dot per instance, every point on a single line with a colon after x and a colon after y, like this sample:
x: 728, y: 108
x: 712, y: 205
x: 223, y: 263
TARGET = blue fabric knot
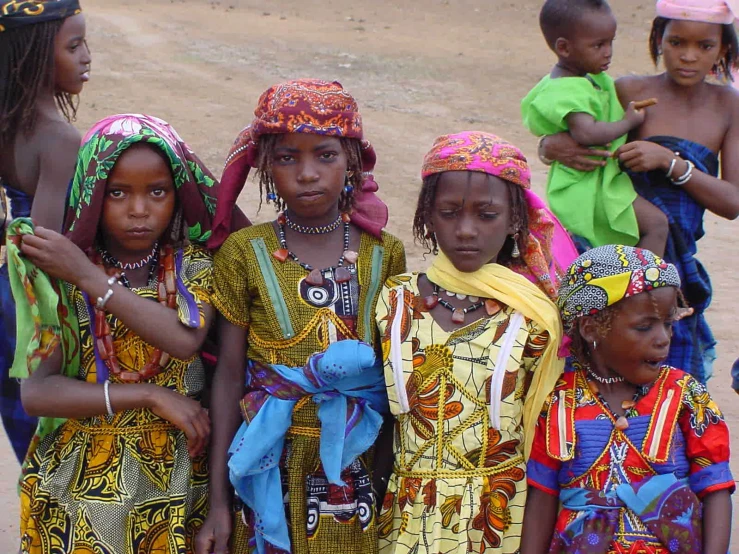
x: 347, y: 383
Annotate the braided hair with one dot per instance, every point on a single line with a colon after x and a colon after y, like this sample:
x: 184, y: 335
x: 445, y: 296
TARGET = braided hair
x: 26, y: 72
x: 518, y: 214
x: 266, y: 148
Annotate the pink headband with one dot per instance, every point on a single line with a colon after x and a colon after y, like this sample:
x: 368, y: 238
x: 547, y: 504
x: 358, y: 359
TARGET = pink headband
x: 705, y: 11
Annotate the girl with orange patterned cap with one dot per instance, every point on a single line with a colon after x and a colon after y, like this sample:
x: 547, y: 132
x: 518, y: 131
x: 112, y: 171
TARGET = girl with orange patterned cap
x: 288, y: 290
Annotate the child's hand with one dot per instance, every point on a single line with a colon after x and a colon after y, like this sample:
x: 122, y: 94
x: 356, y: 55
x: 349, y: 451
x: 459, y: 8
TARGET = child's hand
x: 643, y: 155
x: 186, y: 414
x: 216, y: 531
x: 634, y: 115
x: 56, y: 255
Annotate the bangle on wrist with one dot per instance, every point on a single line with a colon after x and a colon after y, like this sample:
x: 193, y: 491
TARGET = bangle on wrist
x: 685, y: 177
x: 106, y: 392
x: 103, y: 300
x: 668, y: 173
x: 542, y: 158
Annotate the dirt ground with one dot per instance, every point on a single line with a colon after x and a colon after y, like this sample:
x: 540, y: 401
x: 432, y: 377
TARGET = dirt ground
x: 418, y: 68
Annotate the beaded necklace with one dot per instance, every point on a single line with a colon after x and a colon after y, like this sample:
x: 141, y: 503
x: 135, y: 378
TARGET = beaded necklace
x: 111, y: 261
x: 315, y: 276
x: 629, y: 406
x: 458, y: 314
x: 167, y: 296
x: 306, y: 230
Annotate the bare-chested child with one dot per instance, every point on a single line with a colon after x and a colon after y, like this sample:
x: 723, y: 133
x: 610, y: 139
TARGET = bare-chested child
x: 578, y: 95
x: 44, y: 63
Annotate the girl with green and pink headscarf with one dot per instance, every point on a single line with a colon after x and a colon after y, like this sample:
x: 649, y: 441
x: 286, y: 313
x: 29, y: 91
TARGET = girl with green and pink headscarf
x: 470, y: 350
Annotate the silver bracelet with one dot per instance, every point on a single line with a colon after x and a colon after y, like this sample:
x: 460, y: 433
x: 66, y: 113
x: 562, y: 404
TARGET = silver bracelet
x: 668, y: 174
x: 102, y: 301
x: 106, y: 391
x: 542, y: 158
x: 685, y: 177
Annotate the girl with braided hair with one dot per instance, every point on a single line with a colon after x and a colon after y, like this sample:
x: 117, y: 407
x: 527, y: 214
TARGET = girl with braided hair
x: 470, y: 350
x: 44, y: 63
x: 294, y: 294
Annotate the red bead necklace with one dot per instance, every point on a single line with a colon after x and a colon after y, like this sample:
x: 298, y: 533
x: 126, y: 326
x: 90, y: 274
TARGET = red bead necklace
x: 167, y: 294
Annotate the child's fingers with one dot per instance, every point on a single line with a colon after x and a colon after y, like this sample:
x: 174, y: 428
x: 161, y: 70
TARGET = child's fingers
x: 641, y: 104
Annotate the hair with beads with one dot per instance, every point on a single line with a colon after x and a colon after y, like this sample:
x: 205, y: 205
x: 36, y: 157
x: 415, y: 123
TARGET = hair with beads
x: 427, y: 197
x: 267, y: 144
x: 721, y: 69
x: 26, y: 72
x: 561, y: 18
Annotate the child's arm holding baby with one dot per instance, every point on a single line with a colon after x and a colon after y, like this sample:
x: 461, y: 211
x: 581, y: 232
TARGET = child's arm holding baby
x: 587, y: 131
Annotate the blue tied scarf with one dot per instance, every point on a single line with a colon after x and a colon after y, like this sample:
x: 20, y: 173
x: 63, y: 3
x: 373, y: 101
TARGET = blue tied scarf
x: 666, y: 505
x: 347, y: 383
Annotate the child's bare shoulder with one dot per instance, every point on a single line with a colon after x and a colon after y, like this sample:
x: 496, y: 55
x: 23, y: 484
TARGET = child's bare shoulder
x: 56, y: 133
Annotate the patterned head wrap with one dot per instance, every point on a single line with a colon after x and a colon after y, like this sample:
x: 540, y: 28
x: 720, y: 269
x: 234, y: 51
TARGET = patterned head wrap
x: 705, y: 11
x: 549, y: 249
x: 607, y: 274
x: 196, y: 187
x: 302, y: 106
x: 19, y: 13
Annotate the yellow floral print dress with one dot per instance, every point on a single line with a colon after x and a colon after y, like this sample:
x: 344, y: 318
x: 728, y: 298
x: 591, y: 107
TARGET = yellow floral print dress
x: 459, y: 482
x: 123, y: 484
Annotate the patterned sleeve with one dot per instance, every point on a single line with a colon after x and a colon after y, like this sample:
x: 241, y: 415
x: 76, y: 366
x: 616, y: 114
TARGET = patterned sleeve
x: 542, y: 470
x: 534, y: 348
x: 231, y: 281
x: 397, y: 258
x: 706, y: 440
x: 196, y: 275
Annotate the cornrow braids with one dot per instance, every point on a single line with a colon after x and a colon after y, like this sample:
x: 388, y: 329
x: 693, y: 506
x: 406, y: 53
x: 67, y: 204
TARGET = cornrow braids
x: 721, y: 69
x: 266, y: 148
x: 26, y: 72
x: 426, y: 198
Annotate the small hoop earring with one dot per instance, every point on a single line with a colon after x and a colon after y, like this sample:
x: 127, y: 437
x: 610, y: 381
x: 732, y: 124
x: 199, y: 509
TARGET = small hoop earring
x: 515, y: 253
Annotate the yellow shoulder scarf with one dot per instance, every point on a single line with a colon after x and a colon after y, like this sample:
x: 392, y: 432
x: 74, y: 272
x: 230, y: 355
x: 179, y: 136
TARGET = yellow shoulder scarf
x: 502, y: 284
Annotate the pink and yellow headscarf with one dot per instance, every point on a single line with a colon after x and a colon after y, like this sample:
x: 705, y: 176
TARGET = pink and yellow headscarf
x: 721, y: 12
x: 549, y: 250
x: 302, y: 106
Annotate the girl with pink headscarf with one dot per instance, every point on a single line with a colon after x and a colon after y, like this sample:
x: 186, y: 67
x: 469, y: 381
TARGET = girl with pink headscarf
x: 673, y: 157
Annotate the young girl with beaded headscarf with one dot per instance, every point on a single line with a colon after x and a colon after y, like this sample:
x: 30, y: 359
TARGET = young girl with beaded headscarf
x: 114, y: 348
x: 634, y: 451
x: 470, y: 349
x: 44, y: 63
x: 673, y: 157
x: 287, y: 290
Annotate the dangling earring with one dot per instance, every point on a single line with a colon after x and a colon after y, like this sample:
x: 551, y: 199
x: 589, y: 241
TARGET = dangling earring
x: 271, y: 197
x: 515, y: 253
x: 348, y: 187
x: 595, y: 345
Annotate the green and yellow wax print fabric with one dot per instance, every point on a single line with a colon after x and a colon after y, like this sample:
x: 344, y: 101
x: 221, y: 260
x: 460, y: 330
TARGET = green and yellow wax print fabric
x: 287, y: 320
x: 45, y: 320
x: 123, y: 484
x: 20, y: 13
x: 459, y: 481
x: 197, y: 189
x: 605, y: 275
x: 596, y: 205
